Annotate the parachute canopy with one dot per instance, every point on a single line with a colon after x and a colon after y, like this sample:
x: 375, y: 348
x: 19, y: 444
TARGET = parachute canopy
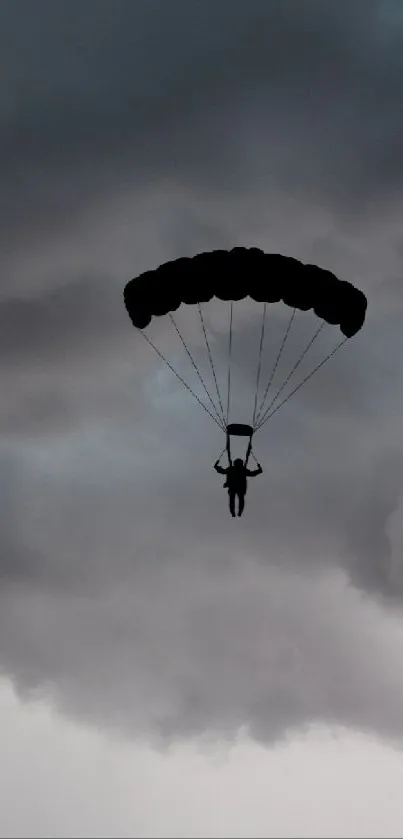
x: 241, y: 272
x: 232, y: 276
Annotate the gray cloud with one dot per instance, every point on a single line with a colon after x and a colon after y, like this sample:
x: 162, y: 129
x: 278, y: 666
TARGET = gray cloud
x: 134, y: 133
x: 100, y: 94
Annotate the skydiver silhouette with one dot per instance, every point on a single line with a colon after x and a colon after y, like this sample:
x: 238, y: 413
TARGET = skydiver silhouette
x: 236, y: 482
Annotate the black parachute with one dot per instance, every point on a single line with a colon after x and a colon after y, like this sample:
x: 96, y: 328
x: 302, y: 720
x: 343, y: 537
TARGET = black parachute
x: 232, y: 275
x: 235, y: 274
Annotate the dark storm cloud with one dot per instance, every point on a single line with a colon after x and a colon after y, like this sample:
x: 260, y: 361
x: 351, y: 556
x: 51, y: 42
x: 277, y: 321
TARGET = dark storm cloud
x: 132, y: 133
x: 98, y: 93
x: 64, y: 320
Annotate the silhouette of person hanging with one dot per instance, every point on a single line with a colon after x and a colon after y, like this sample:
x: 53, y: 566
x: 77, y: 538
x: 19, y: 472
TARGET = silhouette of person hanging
x: 236, y: 483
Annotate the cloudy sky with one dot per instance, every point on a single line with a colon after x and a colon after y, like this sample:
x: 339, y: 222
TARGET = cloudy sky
x: 167, y: 670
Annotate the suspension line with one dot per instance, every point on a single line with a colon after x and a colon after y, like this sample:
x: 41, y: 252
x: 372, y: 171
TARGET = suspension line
x: 318, y: 366
x: 229, y: 362
x: 279, y: 354
x: 182, y: 381
x: 195, y: 366
x: 260, y: 362
x: 211, y: 363
x: 292, y: 371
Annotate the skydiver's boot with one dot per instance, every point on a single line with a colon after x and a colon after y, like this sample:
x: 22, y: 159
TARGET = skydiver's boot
x: 232, y: 504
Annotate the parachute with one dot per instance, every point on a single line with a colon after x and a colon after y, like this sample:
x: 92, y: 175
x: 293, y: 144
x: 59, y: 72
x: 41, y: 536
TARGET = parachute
x: 231, y: 276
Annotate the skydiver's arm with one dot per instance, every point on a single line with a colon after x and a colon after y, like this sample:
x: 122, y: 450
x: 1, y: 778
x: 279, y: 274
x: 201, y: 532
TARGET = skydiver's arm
x: 220, y: 469
x: 251, y: 473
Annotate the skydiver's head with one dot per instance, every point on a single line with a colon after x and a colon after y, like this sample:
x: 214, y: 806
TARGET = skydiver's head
x: 238, y: 463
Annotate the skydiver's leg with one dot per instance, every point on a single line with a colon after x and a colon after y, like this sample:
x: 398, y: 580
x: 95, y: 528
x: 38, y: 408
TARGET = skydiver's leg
x: 241, y: 503
x: 231, y: 496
